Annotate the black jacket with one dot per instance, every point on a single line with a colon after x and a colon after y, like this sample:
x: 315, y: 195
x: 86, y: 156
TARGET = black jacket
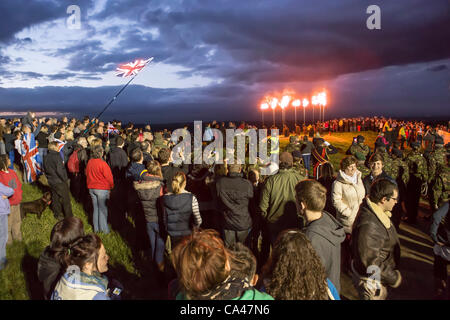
x: 54, y: 168
x: 9, y: 142
x: 326, y: 235
x: 42, y: 139
x: 234, y: 194
x: 48, y: 272
x: 374, y: 244
x: 117, y: 159
x: 368, y: 180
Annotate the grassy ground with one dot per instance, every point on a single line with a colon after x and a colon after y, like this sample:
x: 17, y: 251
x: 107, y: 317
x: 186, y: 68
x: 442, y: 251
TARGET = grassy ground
x: 18, y: 281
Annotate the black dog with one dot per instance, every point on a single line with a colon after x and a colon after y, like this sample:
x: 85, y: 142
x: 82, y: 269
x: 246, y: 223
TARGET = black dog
x: 37, y: 206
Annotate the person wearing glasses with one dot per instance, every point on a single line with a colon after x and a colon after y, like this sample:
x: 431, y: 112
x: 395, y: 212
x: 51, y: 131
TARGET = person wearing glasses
x: 375, y: 243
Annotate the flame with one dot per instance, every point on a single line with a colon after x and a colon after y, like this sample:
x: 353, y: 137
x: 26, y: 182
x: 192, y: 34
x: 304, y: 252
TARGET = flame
x: 296, y: 103
x: 274, y: 103
x: 305, y: 103
x: 285, y: 101
x: 322, y: 98
x: 314, y: 100
x: 264, y: 106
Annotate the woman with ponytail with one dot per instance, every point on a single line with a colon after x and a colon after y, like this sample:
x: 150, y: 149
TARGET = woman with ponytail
x: 179, y: 208
x: 83, y: 262
x: 49, y: 267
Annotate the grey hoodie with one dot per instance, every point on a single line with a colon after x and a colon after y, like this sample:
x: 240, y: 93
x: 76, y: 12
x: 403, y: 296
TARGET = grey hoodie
x: 326, y: 235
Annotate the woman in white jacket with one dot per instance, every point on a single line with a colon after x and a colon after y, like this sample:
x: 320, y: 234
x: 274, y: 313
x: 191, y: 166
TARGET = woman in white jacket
x: 347, y: 194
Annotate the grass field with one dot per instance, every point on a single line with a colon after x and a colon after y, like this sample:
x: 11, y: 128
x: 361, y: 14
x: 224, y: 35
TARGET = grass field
x: 18, y: 281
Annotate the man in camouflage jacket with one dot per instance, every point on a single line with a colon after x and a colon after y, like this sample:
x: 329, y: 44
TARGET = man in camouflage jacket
x: 361, y: 152
x: 418, y: 174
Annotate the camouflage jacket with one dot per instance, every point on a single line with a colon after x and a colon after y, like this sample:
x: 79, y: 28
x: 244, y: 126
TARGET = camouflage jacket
x: 387, y: 164
x: 417, y: 165
x: 361, y: 149
x: 300, y: 168
x: 441, y: 187
x: 436, y: 158
x: 400, y: 170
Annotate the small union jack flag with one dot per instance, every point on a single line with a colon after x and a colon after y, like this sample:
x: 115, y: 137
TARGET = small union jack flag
x: 112, y: 129
x: 132, y: 68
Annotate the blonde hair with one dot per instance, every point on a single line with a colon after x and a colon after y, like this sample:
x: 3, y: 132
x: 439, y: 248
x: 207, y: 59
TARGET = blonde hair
x: 178, y: 182
x: 90, y: 139
x: 96, y: 142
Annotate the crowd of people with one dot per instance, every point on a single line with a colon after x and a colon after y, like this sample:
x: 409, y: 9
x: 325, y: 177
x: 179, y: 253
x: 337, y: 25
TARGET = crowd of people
x: 226, y: 230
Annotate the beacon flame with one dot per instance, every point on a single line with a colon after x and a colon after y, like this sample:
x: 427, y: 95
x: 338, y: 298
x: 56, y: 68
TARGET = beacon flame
x: 305, y: 103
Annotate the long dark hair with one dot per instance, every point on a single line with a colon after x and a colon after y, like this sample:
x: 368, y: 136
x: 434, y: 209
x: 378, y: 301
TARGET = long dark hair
x: 64, y: 233
x: 83, y: 250
x: 295, y: 269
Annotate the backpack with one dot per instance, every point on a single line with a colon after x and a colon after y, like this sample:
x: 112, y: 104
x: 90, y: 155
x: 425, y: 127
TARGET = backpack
x: 73, y: 165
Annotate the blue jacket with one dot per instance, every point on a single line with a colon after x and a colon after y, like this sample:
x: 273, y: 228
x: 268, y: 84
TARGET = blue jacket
x: 4, y: 203
x: 135, y: 171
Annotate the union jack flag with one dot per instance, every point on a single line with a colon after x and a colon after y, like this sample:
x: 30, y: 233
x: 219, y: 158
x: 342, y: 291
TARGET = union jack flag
x: 112, y: 129
x: 61, y: 145
x: 132, y: 68
x: 31, y: 157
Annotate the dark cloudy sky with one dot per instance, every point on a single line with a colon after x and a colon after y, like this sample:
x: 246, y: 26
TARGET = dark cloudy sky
x: 216, y: 59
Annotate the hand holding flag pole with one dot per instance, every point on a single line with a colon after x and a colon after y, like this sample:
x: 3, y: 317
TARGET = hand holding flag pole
x: 124, y: 70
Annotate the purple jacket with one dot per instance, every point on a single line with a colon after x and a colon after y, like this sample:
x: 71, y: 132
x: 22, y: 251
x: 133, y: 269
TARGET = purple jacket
x: 4, y: 203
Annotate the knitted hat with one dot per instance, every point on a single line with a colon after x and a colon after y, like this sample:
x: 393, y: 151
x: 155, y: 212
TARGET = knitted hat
x: 58, y: 135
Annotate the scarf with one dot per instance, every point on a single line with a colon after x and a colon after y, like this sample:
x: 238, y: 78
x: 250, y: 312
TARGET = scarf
x: 353, y: 179
x: 229, y: 289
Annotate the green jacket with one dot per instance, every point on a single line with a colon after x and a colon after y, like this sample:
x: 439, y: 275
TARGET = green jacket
x: 417, y: 165
x: 360, y: 151
x: 436, y: 158
x: 441, y: 187
x: 399, y: 167
x: 277, y: 192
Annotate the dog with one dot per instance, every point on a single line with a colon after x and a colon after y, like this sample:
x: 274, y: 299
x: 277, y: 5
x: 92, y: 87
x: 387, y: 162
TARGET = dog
x: 36, y: 206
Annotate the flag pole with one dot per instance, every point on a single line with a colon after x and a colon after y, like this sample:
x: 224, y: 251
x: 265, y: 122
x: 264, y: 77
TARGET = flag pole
x: 109, y: 103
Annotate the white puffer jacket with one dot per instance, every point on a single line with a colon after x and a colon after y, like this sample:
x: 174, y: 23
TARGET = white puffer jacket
x: 347, y: 197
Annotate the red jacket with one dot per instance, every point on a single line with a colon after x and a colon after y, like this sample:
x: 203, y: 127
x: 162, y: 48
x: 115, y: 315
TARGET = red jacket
x: 11, y: 180
x: 99, y: 175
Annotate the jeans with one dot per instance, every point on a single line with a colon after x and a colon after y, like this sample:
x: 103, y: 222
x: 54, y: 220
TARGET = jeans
x: 3, y: 239
x: 100, y: 214
x: 43, y: 152
x: 306, y: 160
x: 157, y: 245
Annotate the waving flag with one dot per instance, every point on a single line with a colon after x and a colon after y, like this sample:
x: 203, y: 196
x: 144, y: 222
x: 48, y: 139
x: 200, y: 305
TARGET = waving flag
x: 132, y: 68
x: 112, y: 129
x: 31, y: 157
x: 61, y: 145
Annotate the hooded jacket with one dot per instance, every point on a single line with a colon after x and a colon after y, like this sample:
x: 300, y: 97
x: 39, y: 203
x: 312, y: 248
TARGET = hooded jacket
x: 346, y: 197
x: 326, y: 235
x: 48, y: 272
x: 149, y: 189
